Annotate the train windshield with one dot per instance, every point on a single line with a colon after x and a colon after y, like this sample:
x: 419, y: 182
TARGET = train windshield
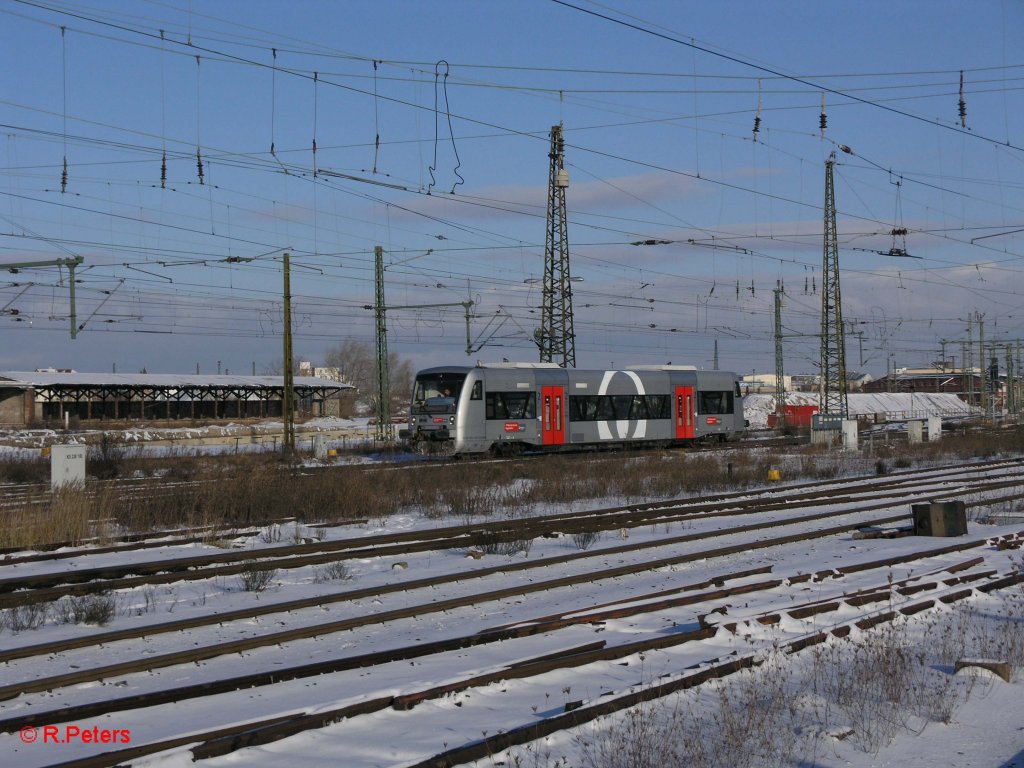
x: 437, y: 392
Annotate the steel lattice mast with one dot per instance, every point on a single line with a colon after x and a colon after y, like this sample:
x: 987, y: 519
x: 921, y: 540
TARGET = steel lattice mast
x: 556, y: 337
x: 780, y: 378
x: 832, y: 387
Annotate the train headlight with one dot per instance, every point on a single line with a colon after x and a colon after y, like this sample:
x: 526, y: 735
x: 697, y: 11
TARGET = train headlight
x: 451, y: 419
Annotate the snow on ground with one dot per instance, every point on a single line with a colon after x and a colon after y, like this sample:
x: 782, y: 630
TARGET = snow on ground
x: 984, y: 733
x: 157, y: 439
x: 895, y: 405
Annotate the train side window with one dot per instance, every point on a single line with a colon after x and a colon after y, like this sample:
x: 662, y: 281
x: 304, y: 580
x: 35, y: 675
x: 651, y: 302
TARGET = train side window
x: 716, y: 402
x: 622, y: 405
x: 658, y: 406
x: 638, y: 410
x: 478, y: 391
x: 510, y: 405
x: 494, y: 406
x: 583, y: 407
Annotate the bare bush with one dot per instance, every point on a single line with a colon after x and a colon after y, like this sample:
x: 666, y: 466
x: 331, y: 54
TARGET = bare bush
x: 646, y: 737
x: 271, y: 534
x: 256, y: 579
x: 494, y: 543
x: 470, y: 502
x: 336, y: 571
x: 22, y: 469
x: 107, y: 459
x: 19, y: 618
x: 97, y: 608
x: 871, y: 686
x: 585, y: 539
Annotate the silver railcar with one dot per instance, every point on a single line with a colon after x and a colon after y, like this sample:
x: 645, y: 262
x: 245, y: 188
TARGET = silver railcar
x: 508, y: 408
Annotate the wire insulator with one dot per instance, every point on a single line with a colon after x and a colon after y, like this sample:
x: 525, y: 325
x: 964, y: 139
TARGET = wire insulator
x: 757, y: 117
x: 963, y: 103
x: 64, y: 175
x: 199, y: 166
x: 163, y: 172
x: 822, y: 118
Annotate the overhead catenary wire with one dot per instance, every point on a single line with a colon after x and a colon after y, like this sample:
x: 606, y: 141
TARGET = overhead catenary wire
x: 64, y: 90
x: 358, y: 181
x: 777, y: 73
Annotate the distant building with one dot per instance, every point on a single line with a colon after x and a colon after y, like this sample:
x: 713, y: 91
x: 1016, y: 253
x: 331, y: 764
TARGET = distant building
x: 48, y: 397
x: 965, y: 383
x: 764, y: 383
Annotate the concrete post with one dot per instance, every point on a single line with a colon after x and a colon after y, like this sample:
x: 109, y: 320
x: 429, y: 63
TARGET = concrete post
x: 850, y: 434
x: 320, y: 446
x: 915, y: 431
x: 934, y: 428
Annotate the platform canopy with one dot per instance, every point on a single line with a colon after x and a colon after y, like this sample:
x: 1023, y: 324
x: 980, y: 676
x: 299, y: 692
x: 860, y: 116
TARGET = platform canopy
x: 156, y: 395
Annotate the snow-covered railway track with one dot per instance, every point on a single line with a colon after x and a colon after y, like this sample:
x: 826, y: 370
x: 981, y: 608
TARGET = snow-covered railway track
x: 484, y: 615
x: 877, y: 597
x: 47, y: 586
x: 729, y: 524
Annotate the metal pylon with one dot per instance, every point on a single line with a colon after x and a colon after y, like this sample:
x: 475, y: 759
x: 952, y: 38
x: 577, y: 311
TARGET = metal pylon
x: 832, y: 387
x: 780, y: 378
x: 557, y: 339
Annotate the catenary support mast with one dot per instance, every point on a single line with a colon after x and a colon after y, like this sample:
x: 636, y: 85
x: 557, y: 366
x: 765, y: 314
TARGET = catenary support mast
x: 832, y: 386
x: 556, y: 337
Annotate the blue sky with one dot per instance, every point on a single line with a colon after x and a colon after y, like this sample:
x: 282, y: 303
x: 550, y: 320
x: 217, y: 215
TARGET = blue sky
x: 658, y: 102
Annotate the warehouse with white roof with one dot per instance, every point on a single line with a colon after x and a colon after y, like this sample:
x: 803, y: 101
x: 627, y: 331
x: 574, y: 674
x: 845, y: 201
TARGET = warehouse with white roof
x: 52, y: 397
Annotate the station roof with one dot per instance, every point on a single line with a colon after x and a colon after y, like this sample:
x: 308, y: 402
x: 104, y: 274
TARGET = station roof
x: 26, y: 379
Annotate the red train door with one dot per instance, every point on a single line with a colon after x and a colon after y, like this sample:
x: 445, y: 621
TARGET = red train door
x: 684, y: 413
x: 552, y: 415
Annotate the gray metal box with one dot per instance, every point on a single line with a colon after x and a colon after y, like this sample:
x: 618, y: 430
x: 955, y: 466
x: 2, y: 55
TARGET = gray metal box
x: 940, y: 518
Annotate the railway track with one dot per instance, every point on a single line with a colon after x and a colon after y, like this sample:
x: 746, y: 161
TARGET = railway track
x: 646, y: 573
x: 533, y: 661
x: 52, y: 585
x: 486, y: 619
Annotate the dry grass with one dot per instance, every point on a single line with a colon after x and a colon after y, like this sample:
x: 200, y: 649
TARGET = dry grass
x: 64, y: 516
x: 244, y: 490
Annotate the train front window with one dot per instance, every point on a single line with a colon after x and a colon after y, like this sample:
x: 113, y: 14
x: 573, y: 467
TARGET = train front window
x: 437, y: 392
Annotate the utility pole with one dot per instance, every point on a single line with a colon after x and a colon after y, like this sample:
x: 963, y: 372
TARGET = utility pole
x: 383, y: 431
x: 968, y: 358
x: 71, y: 263
x: 982, y: 363
x: 1010, y: 404
x: 714, y: 362
x: 288, y: 397
x: 383, y: 384
x: 832, y: 387
x: 557, y: 339
x: 780, y: 379
x: 1017, y: 368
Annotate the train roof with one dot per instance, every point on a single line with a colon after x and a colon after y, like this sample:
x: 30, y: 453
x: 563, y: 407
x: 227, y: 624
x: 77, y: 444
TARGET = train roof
x: 660, y: 368
x: 445, y: 369
x: 506, y: 364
